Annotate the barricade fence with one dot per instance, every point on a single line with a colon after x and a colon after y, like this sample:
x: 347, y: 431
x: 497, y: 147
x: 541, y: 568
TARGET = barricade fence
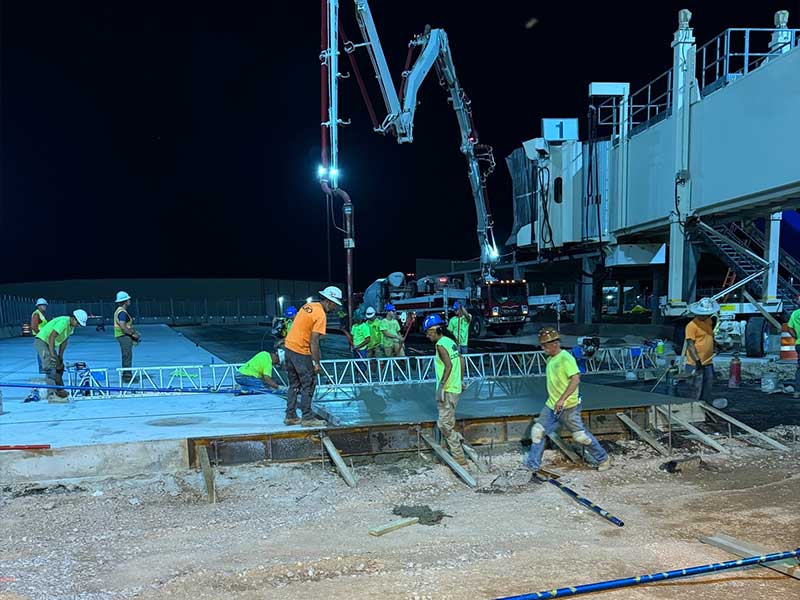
x: 343, y: 373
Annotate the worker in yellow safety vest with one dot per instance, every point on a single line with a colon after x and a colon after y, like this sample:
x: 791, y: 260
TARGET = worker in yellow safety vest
x: 125, y: 334
x: 39, y: 320
x: 459, y: 327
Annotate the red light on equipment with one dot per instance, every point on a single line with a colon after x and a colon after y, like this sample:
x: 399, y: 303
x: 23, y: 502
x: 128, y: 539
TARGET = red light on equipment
x: 442, y: 279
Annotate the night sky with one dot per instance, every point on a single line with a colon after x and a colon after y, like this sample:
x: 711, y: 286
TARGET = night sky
x: 178, y: 139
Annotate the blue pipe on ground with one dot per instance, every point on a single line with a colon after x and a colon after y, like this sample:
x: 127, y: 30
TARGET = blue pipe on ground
x: 205, y: 390
x: 642, y: 579
x: 585, y: 502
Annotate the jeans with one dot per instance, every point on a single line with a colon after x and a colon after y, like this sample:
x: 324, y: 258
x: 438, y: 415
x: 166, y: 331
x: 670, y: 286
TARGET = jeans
x: 360, y: 353
x: 248, y: 383
x: 462, y: 350
x: 302, y: 381
x: 570, y: 418
x: 701, y: 384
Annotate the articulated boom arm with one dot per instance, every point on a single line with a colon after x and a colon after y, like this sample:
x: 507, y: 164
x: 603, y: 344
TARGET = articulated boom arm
x: 434, y: 53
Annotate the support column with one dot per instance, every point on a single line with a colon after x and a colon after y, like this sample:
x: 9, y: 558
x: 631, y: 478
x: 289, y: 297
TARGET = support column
x: 692, y: 257
x: 584, y: 293
x: 772, y: 253
x: 683, y: 71
x: 620, y: 298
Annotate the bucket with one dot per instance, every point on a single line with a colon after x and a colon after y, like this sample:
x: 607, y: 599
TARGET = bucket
x: 788, y: 343
x: 769, y: 382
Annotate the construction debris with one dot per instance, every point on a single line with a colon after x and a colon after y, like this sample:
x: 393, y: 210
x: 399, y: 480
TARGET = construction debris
x: 392, y: 526
x: 425, y: 514
x: 682, y: 465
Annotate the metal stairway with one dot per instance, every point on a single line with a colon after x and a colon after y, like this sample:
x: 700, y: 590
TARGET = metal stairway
x: 742, y: 251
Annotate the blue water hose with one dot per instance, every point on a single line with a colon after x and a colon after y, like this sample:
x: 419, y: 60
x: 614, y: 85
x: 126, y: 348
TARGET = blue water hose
x: 654, y: 577
x: 204, y: 390
x: 585, y: 502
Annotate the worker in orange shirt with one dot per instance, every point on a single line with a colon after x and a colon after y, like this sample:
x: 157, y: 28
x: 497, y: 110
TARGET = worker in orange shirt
x: 700, y: 347
x: 303, y: 357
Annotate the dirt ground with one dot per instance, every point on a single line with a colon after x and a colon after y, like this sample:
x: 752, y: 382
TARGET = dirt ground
x: 290, y: 531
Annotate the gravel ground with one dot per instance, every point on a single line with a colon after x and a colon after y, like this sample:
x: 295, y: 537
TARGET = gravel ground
x: 298, y: 532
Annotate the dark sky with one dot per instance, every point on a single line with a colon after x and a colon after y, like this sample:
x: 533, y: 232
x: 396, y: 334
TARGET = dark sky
x: 176, y: 139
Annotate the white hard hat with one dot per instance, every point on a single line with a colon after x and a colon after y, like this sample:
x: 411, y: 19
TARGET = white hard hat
x: 81, y: 316
x: 705, y: 306
x: 122, y: 296
x: 332, y: 293
x: 370, y: 312
x: 41, y: 301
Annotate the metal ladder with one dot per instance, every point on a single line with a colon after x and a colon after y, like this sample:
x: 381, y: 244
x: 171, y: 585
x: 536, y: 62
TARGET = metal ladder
x: 742, y: 251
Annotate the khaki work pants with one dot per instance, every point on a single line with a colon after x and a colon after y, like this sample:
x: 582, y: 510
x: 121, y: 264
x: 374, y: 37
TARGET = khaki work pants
x: 447, y: 426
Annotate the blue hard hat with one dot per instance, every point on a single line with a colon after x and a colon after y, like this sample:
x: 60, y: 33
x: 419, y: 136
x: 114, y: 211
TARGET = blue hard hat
x: 291, y: 312
x: 456, y: 305
x: 432, y: 321
x: 389, y: 307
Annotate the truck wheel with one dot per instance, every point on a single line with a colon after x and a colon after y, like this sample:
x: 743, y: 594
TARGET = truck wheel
x: 476, y: 328
x: 755, y: 336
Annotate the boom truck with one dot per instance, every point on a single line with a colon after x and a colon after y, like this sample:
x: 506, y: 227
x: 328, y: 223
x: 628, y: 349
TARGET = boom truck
x: 496, y: 305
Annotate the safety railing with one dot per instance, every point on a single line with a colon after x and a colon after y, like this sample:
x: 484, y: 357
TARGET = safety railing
x: 344, y: 373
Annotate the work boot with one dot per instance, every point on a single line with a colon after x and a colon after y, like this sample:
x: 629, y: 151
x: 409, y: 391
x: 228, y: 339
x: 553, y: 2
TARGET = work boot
x: 313, y: 423
x: 605, y: 465
x: 291, y: 421
x: 57, y: 399
x: 62, y: 393
x: 462, y: 460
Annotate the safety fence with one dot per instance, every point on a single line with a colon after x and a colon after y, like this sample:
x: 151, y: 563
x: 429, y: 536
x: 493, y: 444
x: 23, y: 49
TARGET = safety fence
x: 344, y: 373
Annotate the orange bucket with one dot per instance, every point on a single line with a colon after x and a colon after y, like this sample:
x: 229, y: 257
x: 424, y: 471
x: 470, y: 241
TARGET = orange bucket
x: 788, y: 350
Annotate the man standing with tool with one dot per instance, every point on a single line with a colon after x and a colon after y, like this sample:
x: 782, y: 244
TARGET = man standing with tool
x: 125, y: 334
x: 459, y: 326
x: 390, y: 329
x: 303, y: 356
x: 563, y: 405
x: 449, y: 368
x: 361, y: 335
x: 794, y: 330
x: 375, y: 336
x: 700, y: 347
x: 53, y: 335
x: 38, y: 320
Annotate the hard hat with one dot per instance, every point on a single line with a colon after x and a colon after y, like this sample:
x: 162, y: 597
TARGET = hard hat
x: 291, y: 312
x: 81, y: 316
x: 41, y: 301
x: 281, y: 355
x: 370, y: 312
x: 705, y: 306
x: 432, y: 321
x: 456, y: 305
x: 389, y: 307
x: 122, y: 296
x: 548, y: 334
x: 332, y: 293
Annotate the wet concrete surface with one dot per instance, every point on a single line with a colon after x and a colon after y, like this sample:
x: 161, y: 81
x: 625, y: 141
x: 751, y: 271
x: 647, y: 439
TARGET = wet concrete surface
x: 414, y: 403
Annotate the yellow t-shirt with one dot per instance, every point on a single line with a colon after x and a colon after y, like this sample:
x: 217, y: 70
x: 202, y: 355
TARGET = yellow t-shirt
x: 360, y: 332
x: 375, y: 335
x: 560, y: 368
x: 258, y: 366
x: 460, y: 328
x: 702, y: 333
x: 453, y: 383
x: 62, y: 328
x: 311, y: 318
x: 392, y: 326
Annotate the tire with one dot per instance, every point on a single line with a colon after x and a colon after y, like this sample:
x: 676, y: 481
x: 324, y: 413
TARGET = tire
x: 476, y: 328
x: 755, y: 336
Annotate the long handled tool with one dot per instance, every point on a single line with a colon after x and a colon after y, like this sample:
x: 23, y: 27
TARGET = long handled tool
x: 581, y: 500
x: 654, y: 577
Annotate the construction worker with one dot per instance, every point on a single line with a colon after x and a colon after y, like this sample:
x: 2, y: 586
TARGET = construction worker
x: 255, y: 376
x: 125, y: 334
x: 459, y: 326
x: 375, y: 346
x: 50, y: 344
x: 700, y: 347
x: 360, y: 332
x: 449, y: 368
x: 290, y: 314
x: 794, y: 329
x: 38, y: 319
x: 392, y: 342
x: 563, y: 405
x: 303, y: 356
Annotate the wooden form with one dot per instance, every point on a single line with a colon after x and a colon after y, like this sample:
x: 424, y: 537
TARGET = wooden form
x: 208, y: 473
x: 708, y: 441
x: 393, y: 525
x: 556, y: 439
x: 764, y: 438
x: 642, y: 434
x: 449, y: 461
x: 348, y: 476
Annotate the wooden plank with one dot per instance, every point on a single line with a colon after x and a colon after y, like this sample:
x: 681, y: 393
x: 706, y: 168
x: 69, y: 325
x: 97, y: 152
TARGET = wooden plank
x: 764, y: 438
x: 772, y: 321
x: 473, y: 455
x: 790, y: 566
x: 554, y: 437
x: 711, y: 443
x: 450, y: 461
x: 208, y: 473
x: 393, y: 525
x: 348, y: 476
x: 642, y: 434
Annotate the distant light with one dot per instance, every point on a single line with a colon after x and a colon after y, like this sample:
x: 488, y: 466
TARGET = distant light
x: 308, y: 299
x: 334, y: 172
x: 321, y: 171
x: 609, y: 297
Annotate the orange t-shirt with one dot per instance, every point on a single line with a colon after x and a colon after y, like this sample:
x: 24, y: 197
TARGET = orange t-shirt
x: 703, y: 335
x: 311, y: 318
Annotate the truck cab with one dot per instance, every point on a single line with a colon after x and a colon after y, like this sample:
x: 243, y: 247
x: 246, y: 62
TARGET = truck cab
x: 499, y: 307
